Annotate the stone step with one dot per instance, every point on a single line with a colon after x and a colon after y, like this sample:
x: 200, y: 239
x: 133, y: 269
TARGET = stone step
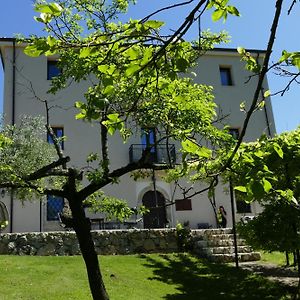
x: 225, y: 250
x: 243, y: 257
x: 225, y: 242
x: 222, y: 236
x: 209, y: 232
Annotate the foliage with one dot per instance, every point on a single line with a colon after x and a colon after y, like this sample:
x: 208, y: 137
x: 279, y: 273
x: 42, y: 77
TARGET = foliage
x: 221, y: 9
x: 112, y: 207
x: 275, y: 229
x: 24, y: 150
x: 183, y: 232
x: 268, y: 169
x: 136, y: 81
x: 136, y: 73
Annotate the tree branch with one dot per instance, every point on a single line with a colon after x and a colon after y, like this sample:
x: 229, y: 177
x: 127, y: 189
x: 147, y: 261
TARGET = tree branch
x: 261, y: 78
x: 44, y: 170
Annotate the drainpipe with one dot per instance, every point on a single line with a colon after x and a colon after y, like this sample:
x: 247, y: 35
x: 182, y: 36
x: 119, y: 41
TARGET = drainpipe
x: 13, y: 123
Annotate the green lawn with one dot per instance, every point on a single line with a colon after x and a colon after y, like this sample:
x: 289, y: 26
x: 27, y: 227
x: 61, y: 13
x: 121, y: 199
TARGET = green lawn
x: 136, y: 277
x: 275, y: 258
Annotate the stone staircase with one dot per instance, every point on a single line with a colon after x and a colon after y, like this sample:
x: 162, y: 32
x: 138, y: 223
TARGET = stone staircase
x: 217, y: 245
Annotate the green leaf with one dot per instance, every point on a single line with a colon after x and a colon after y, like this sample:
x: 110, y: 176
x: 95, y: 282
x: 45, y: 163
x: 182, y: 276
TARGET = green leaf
x: 261, y: 105
x: 267, y: 185
x: 33, y: 51
x: 109, y: 90
x: 194, y: 149
x: 51, y: 8
x: 85, y: 52
x: 267, y: 93
x: 217, y: 15
x: 241, y: 188
x: 154, y: 24
x: 79, y: 104
x: 51, y: 41
x: 257, y: 189
x: 243, y: 106
x: 284, y: 56
x: 46, y: 18
x: 182, y: 64
x: 204, y: 152
x: 80, y: 116
x: 241, y: 50
x: 278, y: 150
x: 259, y: 153
x: 56, y: 9
x: 133, y: 53
x: 114, y: 117
x: 38, y: 19
x: 103, y: 68
x: 233, y: 10
x: 147, y: 55
x: 43, y: 8
x: 132, y: 69
x: 189, y: 146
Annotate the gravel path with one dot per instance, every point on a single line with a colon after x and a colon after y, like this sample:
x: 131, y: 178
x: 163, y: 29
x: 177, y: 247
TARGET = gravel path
x: 284, y: 275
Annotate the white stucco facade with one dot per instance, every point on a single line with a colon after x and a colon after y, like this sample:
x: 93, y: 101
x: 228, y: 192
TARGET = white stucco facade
x: 23, y: 75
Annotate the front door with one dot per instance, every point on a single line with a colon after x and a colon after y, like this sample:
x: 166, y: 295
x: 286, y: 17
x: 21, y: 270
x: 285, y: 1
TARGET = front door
x: 156, y: 217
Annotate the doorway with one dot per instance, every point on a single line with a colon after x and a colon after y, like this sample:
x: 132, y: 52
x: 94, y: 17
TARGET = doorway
x: 155, y: 203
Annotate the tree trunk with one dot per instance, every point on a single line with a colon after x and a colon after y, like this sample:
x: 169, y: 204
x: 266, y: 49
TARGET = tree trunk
x: 82, y: 228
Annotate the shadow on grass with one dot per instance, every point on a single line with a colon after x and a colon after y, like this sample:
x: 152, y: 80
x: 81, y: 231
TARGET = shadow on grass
x: 201, y: 280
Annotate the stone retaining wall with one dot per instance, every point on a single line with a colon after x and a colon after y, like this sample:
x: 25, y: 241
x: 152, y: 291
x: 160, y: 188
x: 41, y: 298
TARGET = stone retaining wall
x: 128, y: 241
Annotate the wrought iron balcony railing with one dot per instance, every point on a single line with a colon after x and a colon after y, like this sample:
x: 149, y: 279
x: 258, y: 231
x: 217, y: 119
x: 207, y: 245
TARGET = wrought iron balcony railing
x: 158, y: 154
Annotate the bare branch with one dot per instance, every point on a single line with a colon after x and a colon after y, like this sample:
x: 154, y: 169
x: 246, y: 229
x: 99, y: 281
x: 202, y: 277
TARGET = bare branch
x: 291, y: 6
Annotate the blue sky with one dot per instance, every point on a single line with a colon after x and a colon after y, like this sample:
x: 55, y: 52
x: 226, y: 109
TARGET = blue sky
x: 251, y: 30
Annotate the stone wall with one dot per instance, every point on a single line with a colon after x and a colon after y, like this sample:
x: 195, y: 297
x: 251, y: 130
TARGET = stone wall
x: 128, y: 241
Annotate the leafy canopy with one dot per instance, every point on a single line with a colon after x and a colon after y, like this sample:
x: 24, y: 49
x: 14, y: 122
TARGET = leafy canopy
x: 268, y: 168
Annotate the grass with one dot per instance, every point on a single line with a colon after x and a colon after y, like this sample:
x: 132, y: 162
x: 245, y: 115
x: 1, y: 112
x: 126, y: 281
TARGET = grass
x: 277, y: 258
x: 134, y: 277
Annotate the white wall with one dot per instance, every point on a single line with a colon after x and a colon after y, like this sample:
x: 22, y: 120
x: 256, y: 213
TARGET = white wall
x: 82, y: 138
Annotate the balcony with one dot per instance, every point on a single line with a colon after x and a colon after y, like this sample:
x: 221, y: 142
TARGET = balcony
x: 158, y: 155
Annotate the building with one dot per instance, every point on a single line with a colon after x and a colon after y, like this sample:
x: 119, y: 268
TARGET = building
x: 220, y: 68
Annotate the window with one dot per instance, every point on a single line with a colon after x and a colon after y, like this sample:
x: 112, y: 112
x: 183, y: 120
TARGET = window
x: 55, y: 206
x: 242, y: 207
x: 52, y: 69
x: 149, y: 138
x: 184, y: 204
x: 225, y: 73
x: 235, y: 133
x: 59, y: 132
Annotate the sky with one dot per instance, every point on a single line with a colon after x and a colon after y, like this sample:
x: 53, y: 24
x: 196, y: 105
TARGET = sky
x: 251, y: 30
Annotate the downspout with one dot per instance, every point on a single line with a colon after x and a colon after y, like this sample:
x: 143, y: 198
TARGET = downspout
x: 13, y: 123
x: 265, y: 106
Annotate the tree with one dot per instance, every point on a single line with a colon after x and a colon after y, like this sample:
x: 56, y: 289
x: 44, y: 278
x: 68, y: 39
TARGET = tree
x: 135, y: 84
x: 267, y: 171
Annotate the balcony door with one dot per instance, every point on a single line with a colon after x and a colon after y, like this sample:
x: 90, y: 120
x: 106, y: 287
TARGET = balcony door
x: 156, y: 217
x: 148, y: 139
